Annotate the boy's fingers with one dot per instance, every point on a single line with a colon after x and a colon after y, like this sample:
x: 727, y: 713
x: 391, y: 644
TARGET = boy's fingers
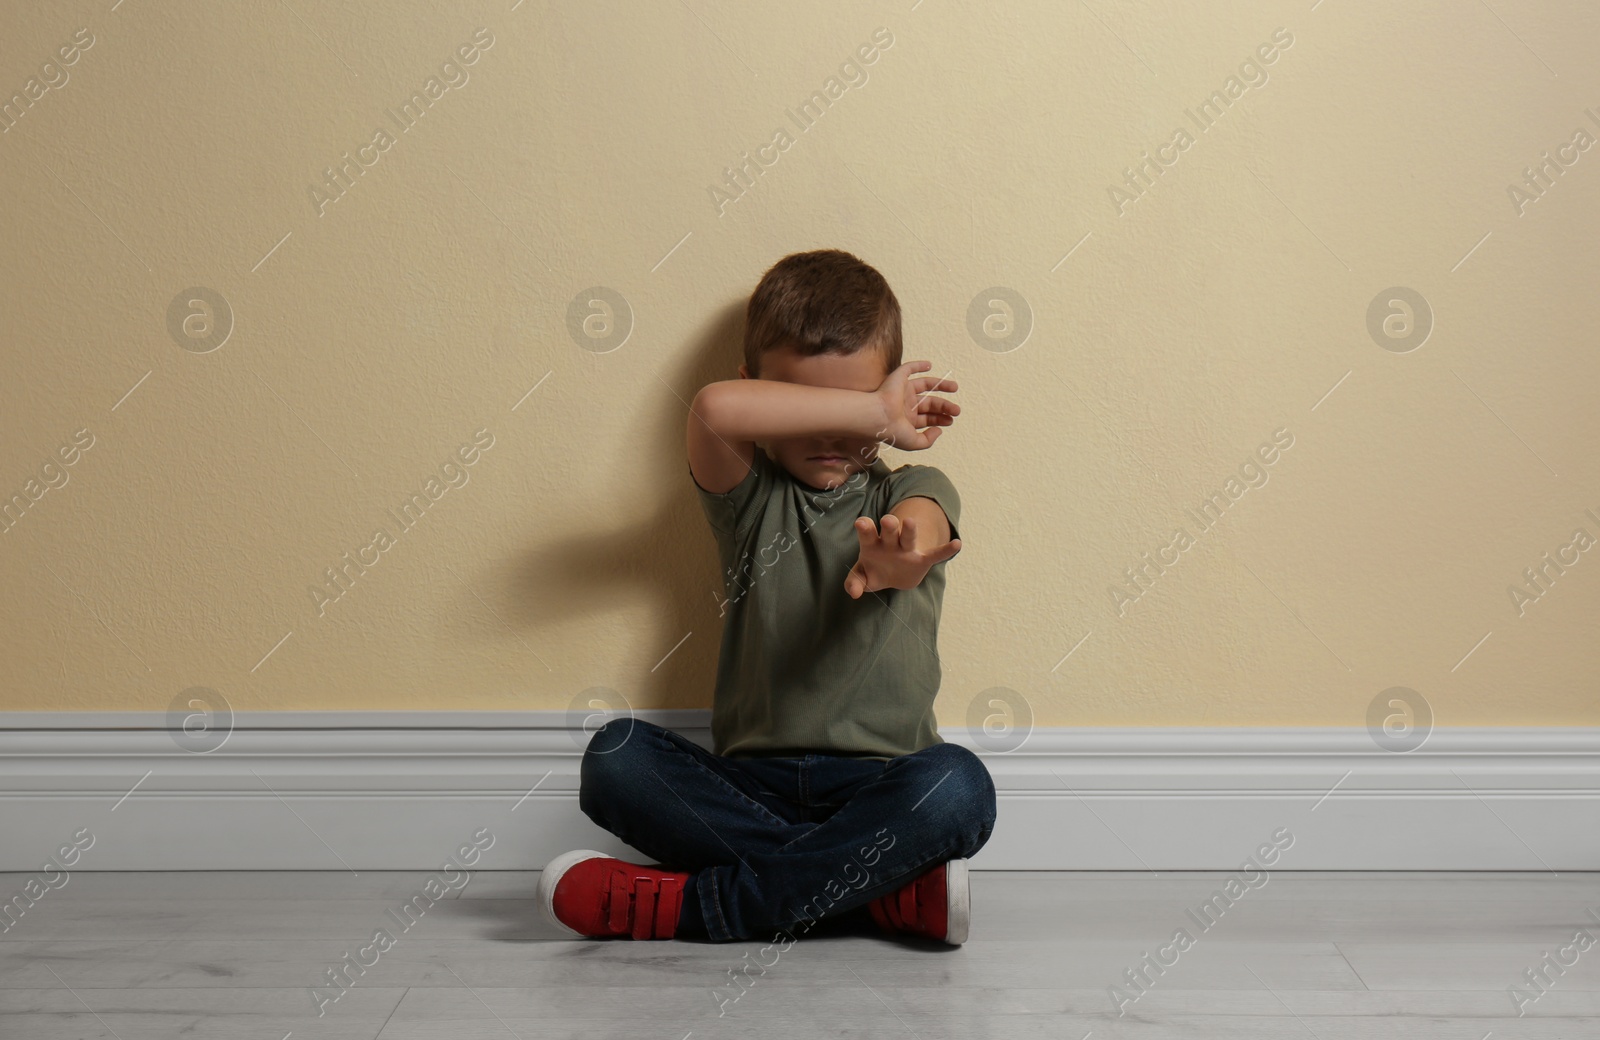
x: 945, y: 551
x: 855, y: 583
x: 908, y: 533
x: 866, y: 530
x: 889, y: 528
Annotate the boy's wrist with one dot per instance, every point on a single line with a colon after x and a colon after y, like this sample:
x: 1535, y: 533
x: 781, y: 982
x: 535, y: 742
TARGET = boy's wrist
x: 880, y: 417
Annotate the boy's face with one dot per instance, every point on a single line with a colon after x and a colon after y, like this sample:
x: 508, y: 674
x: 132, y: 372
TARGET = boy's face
x: 824, y: 461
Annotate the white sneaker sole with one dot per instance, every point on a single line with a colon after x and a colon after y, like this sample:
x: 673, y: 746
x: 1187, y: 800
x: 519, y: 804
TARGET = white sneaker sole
x: 551, y: 876
x: 958, y: 902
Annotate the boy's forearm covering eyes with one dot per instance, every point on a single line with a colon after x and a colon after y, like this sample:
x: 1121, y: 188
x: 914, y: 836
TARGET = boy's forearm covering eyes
x: 770, y: 409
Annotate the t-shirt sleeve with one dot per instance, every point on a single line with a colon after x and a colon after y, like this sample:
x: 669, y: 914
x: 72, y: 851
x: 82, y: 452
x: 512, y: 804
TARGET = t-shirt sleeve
x: 732, y: 511
x: 928, y: 482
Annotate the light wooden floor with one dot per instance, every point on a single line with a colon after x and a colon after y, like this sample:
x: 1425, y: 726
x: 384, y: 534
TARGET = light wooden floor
x: 1330, y: 956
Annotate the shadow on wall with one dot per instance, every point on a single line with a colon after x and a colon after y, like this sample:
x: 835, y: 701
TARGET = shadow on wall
x: 670, y: 556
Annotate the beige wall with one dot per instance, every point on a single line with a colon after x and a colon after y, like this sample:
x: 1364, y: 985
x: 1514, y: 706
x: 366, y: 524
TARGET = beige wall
x: 394, y: 323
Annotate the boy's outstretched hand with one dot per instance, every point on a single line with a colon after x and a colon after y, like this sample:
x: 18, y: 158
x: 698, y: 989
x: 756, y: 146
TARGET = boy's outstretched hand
x: 889, y: 558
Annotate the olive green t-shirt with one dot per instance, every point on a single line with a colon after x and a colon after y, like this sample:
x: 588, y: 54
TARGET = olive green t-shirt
x: 803, y: 667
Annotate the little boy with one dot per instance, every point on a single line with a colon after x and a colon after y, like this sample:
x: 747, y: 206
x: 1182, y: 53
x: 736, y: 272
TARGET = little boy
x: 829, y: 788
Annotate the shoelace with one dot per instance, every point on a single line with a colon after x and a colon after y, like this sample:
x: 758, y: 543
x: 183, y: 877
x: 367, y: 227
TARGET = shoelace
x: 653, y: 902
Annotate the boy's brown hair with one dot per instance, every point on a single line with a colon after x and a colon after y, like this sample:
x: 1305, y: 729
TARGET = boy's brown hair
x: 822, y: 302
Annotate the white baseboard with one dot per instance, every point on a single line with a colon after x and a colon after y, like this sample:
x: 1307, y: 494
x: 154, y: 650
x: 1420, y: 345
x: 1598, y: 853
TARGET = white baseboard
x: 402, y: 790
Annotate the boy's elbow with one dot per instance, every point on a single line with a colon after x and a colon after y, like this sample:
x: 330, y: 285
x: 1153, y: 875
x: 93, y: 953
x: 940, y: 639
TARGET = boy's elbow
x: 708, y: 405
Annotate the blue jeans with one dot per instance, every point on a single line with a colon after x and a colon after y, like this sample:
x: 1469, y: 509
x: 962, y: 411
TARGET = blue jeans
x: 775, y: 844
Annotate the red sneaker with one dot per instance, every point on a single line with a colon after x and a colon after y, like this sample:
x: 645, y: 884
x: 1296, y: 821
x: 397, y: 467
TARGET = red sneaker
x: 937, y: 905
x: 591, y: 894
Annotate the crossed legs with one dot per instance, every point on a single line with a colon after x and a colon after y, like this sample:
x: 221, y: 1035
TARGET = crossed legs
x: 772, y: 844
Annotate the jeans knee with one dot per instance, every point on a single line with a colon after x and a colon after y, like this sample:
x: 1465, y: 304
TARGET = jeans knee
x: 606, y: 767
x: 964, y: 789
